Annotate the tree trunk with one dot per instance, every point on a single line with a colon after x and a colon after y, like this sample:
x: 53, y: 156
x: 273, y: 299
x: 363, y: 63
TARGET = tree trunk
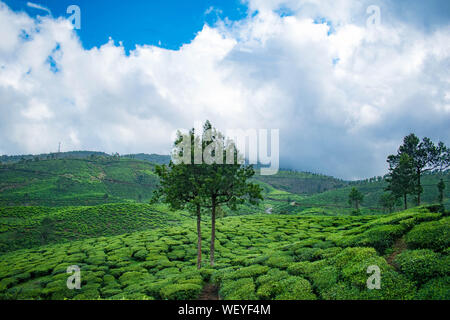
x: 199, y: 239
x: 419, y: 189
x: 404, y: 198
x: 213, y: 232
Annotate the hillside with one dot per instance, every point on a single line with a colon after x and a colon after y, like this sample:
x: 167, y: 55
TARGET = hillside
x: 335, y: 201
x: 63, y: 182
x: 258, y: 257
x: 154, y: 158
x: 26, y: 227
x: 300, y: 243
x: 97, y: 179
x: 304, y: 183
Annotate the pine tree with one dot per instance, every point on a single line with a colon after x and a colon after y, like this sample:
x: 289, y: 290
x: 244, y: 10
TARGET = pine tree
x: 402, y: 178
x: 425, y: 156
x: 355, y: 198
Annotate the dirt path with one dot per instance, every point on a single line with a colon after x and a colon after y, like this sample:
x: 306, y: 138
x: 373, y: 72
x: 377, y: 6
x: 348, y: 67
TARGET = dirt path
x: 399, y: 247
x: 209, y: 292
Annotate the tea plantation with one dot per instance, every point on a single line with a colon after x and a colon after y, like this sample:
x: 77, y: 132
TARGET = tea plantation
x: 258, y: 256
x: 26, y: 227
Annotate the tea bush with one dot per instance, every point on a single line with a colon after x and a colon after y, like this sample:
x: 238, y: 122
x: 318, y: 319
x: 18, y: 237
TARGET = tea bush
x: 257, y: 257
x: 421, y: 265
x: 433, y: 235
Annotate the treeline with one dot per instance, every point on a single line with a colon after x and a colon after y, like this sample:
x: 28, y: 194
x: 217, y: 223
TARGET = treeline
x: 93, y: 155
x: 414, y: 159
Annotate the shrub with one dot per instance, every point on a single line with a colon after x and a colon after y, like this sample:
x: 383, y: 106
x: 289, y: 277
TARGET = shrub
x: 307, y: 254
x: 140, y: 255
x: 420, y: 265
x: 298, y: 268
x: 324, y: 278
x: 241, y: 289
x: 217, y: 275
x: 394, y: 286
x: 279, y: 261
x: 295, y: 288
x: 435, y: 289
x: 183, y: 291
x: 269, y: 284
x: 430, y: 235
x: 381, y: 237
x: 340, y: 291
x: 246, y: 272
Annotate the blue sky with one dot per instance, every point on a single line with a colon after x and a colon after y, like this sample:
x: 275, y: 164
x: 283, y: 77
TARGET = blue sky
x: 166, y: 23
x: 342, y: 93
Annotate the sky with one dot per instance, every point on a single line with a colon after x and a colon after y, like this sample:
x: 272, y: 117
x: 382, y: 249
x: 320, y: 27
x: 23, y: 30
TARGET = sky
x: 343, y: 81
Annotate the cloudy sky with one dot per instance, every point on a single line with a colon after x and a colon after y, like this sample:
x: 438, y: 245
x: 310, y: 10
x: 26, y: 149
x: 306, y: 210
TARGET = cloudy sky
x: 343, y: 92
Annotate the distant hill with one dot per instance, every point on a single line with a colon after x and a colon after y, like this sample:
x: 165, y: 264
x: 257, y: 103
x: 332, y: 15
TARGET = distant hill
x: 305, y: 183
x: 84, y: 178
x: 54, y: 155
x: 26, y: 227
x: 67, y: 181
x: 154, y: 158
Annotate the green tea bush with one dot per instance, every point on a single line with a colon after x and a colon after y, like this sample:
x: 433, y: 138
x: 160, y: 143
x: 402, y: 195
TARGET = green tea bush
x: 421, y: 265
x: 435, y: 289
x: 241, y: 289
x: 381, y: 237
x: 298, y: 268
x: 182, y: 291
x: 433, y: 235
x: 324, y: 278
x: 295, y: 288
x: 279, y: 261
x: 394, y: 286
x: 307, y: 254
x: 340, y: 291
x: 246, y: 272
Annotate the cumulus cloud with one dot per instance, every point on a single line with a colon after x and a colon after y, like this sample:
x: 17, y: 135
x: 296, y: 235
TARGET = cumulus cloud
x: 343, y: 95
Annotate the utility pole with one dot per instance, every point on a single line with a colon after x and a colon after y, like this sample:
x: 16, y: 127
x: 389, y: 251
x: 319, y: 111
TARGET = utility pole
x: 59, y: 149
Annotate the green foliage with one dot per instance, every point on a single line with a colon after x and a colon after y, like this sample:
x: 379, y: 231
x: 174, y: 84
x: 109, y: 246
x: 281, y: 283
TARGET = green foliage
x: 76, y: 181
x: 433, y: 235
x: 243, y: 288
x: 26, y: 227
x: 402, y: 177
x: 435, y: 289
x: 295, y: 288
x: 422, y: 265
x: 262, y: 256
x: 182, y: 291
x: 355, y: 198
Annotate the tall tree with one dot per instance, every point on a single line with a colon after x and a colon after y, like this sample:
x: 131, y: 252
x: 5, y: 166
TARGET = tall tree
x: 180, y: 184
x: 441, y: 187
x: 355, y: 198
x: 425, y: 156
x: 226, y: 182
x: 401, y: 178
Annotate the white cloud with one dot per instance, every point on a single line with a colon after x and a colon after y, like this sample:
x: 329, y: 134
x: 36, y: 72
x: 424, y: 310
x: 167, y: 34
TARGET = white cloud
x: 342, y: 99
